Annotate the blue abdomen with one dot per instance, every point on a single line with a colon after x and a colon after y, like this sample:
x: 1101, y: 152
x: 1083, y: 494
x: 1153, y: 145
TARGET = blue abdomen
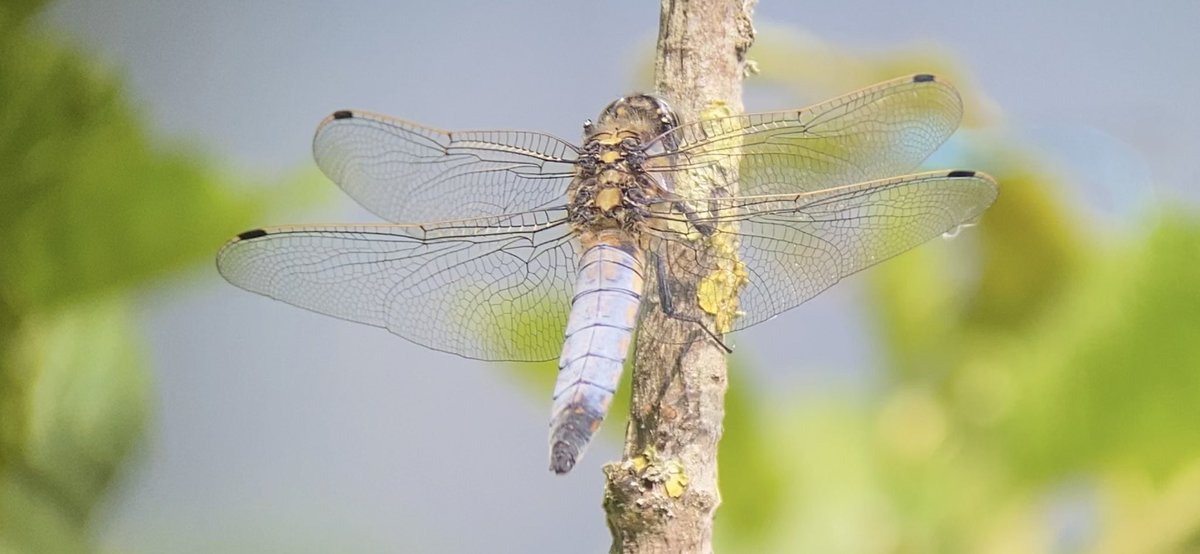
x: 603, y: 317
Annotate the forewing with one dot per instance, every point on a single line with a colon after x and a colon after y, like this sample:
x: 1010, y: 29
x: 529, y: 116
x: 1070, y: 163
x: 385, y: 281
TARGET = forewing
x: 492, y: 288
x: 405, y: 172
x: 795, y: 246
x: 877, y: 132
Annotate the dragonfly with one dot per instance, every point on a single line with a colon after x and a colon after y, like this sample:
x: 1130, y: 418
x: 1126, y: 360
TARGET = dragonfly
x: 511, y: 245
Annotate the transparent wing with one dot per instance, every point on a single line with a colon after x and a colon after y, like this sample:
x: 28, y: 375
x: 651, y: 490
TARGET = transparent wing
x: 405, y: 172
x: 877, y: 132
x: 795, y: 246
x: 492, y: 288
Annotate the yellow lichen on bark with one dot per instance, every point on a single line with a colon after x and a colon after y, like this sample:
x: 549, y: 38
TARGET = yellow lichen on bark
x: 717, y: 292
x: 652, y: 469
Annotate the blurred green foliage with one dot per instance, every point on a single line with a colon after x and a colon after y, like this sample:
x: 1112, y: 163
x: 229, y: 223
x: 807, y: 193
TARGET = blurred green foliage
x: 1042, y: 403
x: 91, y: 208
x: 76, y: 384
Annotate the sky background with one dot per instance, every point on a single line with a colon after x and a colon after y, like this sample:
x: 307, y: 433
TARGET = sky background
x: 285, y: 430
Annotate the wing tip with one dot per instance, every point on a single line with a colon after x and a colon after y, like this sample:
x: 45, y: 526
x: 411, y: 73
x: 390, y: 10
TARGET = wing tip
x: 231, y: 244
x: 982, y: 182
x: 923, y: 78
x: 342, y: 114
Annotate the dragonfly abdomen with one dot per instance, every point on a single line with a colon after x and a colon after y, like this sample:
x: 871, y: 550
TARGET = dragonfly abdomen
x: 599, y: 330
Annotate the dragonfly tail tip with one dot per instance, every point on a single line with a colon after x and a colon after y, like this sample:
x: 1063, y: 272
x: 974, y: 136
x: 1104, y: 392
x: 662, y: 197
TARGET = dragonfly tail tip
x: 562, y: 457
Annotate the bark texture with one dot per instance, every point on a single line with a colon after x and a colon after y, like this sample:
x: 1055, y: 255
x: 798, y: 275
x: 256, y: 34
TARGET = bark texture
x: 663, y: 494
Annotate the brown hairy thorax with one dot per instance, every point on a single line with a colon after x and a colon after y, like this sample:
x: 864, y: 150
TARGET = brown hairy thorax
x: 611, y: 189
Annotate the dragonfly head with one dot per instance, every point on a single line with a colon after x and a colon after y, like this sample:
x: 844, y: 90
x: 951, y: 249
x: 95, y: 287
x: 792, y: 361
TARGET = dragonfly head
x: 645, y: 115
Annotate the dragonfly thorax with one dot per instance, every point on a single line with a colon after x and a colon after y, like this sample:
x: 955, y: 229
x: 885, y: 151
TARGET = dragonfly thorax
x: 611, y: 188
x: 613, y: 199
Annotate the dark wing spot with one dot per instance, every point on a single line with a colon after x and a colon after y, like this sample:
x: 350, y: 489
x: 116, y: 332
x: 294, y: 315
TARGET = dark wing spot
x: 961, y: 173
x: 923, y: 78
x: 252, y: 234
x: 343, y: 114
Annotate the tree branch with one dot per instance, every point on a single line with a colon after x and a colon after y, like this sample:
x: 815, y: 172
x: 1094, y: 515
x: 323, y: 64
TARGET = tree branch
x: 662, y: 496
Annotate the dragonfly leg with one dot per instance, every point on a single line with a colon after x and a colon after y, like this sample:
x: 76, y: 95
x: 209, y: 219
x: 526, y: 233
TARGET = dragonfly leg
x: 706, y: 229
x: 667, y: 303
x: 681, y: 205
x: 678, y: 204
